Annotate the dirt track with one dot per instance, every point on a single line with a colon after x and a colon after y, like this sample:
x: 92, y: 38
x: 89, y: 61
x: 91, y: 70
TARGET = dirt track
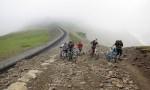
x: 138, y: 64
x: 87, y: 74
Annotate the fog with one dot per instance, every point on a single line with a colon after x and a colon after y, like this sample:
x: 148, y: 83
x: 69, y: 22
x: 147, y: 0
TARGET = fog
x: 112, y: 19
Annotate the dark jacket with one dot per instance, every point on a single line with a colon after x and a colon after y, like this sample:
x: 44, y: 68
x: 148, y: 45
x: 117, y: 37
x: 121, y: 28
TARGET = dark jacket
x: 94, y: 43
x: 119, y: 44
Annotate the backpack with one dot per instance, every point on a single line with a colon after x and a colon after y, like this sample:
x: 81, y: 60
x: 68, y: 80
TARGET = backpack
x: 119, y: 44
x: 94, y: 43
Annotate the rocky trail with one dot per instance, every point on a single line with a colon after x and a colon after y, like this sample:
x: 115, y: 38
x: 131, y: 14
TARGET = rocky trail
x: 52, y: 73
x: 137, y: 63
x: 86, y: 74
x: 48, y: 72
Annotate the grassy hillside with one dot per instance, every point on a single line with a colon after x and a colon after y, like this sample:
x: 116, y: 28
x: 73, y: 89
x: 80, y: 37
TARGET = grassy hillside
x: 74, y: 38
x: 15, y: 43
x: 81, y: 34
x: 77, y: 36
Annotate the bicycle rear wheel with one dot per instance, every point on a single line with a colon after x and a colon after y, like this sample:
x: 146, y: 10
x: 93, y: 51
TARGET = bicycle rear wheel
x: 70, y: 56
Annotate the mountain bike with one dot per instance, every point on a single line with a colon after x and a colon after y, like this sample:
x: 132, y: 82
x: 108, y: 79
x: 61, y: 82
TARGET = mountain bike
x: 111, y: 55
x: 73, y: 54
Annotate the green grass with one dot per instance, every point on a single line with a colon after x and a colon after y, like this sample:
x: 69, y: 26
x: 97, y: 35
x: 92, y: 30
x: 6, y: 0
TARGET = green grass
x: 77, y: 36
x: 15, y: 43
x: 81, y: 34
x: 74, y: 38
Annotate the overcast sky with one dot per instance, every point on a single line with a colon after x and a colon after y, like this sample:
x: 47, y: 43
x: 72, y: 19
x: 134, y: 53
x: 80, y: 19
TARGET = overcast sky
x: 131, y: 16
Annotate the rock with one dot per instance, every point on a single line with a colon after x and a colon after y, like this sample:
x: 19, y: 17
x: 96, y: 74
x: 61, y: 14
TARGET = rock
x: 115, y: 66
x: 82, y: 83
x: 52, y: 88
x: 108, y: 85
x: 73, y: 73
x: 133, y: 64
x: 44, y: 64
x: 139, y: 65
x: 119, y: 85
x: 101, y: 89
x: 148, y: 67
x: 26, y: 69
x: 130, y: 82
x: 15, y: 75
x: 136, y: 87
x: 127, y: 88
x: 69, y: 86
x: 17, y: 86
x: 51, y: 60
x: 125, y: 58
x: 110, y: 64
x: 30, y: 75
x: 125, y: 80
x: 101, y: 85
x: 110, y: 73
x: 125, y: 55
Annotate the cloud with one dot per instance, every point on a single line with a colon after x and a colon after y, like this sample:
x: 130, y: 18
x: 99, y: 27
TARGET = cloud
x: 112, y: 15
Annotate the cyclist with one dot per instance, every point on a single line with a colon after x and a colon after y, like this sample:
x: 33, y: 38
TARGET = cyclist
x: 119, y: 45
x: 64, y: 48
x: 80, y: 46
x: 70, y: 49
x: 70, y: 45
x: 111, y: 54
x: 94, y: 43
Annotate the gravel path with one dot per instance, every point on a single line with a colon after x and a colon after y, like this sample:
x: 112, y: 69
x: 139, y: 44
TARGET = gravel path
x: 86, y: 74
x: 14, y: 73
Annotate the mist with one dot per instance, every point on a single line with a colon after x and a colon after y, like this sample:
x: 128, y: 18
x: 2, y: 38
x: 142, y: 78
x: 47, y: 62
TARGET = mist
x: 106, y: 20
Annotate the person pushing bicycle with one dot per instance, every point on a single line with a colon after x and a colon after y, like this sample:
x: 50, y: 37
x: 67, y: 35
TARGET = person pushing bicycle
x: 70, y: 50
x: 70, y: 46
x: 94, y: 44
x: 80, y: 46
x: 119, y: 45
x: 64, y: 48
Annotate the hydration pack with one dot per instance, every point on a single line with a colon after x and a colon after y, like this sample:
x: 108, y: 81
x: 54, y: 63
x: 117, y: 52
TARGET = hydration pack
x: 119, y: 44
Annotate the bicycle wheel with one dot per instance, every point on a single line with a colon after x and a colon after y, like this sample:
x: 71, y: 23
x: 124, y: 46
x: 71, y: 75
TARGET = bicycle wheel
x: 70, y: 56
